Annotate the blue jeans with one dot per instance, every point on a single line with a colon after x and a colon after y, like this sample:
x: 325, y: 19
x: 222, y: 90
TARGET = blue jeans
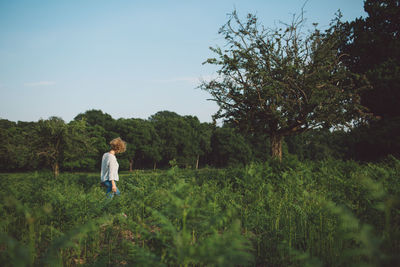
x: 110, y: 193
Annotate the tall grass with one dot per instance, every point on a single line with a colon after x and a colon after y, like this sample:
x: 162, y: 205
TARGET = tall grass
x: 326, y: 213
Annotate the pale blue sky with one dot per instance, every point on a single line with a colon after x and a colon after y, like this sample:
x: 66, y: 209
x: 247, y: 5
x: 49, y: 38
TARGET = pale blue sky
x: 128, y: 58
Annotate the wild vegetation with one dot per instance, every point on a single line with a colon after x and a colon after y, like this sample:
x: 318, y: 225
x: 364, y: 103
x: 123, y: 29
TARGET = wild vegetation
x: 320, y: 213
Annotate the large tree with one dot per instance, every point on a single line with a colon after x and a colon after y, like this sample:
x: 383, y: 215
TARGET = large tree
x: 143, y: 142
x: 282, y: 81
x: 16, y: 151
x: 96, y: 117
x: 58, y: 142
x: 180, y: 137
x: 373, y: 46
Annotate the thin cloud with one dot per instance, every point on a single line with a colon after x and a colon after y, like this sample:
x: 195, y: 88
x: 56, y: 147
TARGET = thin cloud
x: 41, y: 83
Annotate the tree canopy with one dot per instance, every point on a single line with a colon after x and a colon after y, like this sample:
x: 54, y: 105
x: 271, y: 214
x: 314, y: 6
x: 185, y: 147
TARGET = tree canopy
x: 283, y: 81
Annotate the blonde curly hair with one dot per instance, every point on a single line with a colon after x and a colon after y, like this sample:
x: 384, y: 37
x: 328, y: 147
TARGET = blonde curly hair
x: 118, y: 145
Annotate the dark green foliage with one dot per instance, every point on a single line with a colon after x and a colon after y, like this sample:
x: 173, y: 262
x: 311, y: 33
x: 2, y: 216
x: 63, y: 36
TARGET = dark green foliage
x: 320, y: 144
x: 16, y: 151
x: 373, y: 48
x: 322, y: 213
x: 80, y: 144
x: 183, y: 138
x: 168, y: 137
x: 229, y: 148
x: 143, y: 142
x: 375, y: 141
x: 98, y: 118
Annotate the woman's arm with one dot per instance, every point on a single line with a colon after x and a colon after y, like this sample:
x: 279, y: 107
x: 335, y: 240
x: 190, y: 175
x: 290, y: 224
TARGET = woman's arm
x: 114, y: 187
x: 113, y: 173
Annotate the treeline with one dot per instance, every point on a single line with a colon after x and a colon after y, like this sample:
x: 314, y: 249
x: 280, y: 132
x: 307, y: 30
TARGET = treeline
x: 164, y: 139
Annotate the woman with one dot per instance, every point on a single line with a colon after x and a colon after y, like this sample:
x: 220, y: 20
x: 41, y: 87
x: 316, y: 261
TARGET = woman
x: 109, y: 167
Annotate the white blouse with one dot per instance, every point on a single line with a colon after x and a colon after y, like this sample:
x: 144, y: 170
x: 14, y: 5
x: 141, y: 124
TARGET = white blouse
x: 109, y: 167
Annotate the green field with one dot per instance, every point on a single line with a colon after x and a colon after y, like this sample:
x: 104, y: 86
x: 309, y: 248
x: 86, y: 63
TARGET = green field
x: 326, y: 213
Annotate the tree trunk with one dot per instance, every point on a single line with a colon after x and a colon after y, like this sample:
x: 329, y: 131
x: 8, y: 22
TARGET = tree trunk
x: 276, y: 146
x: 131, y: 165
x: 155, y: 165
x: 197, y: 162
x: 56, y: 169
